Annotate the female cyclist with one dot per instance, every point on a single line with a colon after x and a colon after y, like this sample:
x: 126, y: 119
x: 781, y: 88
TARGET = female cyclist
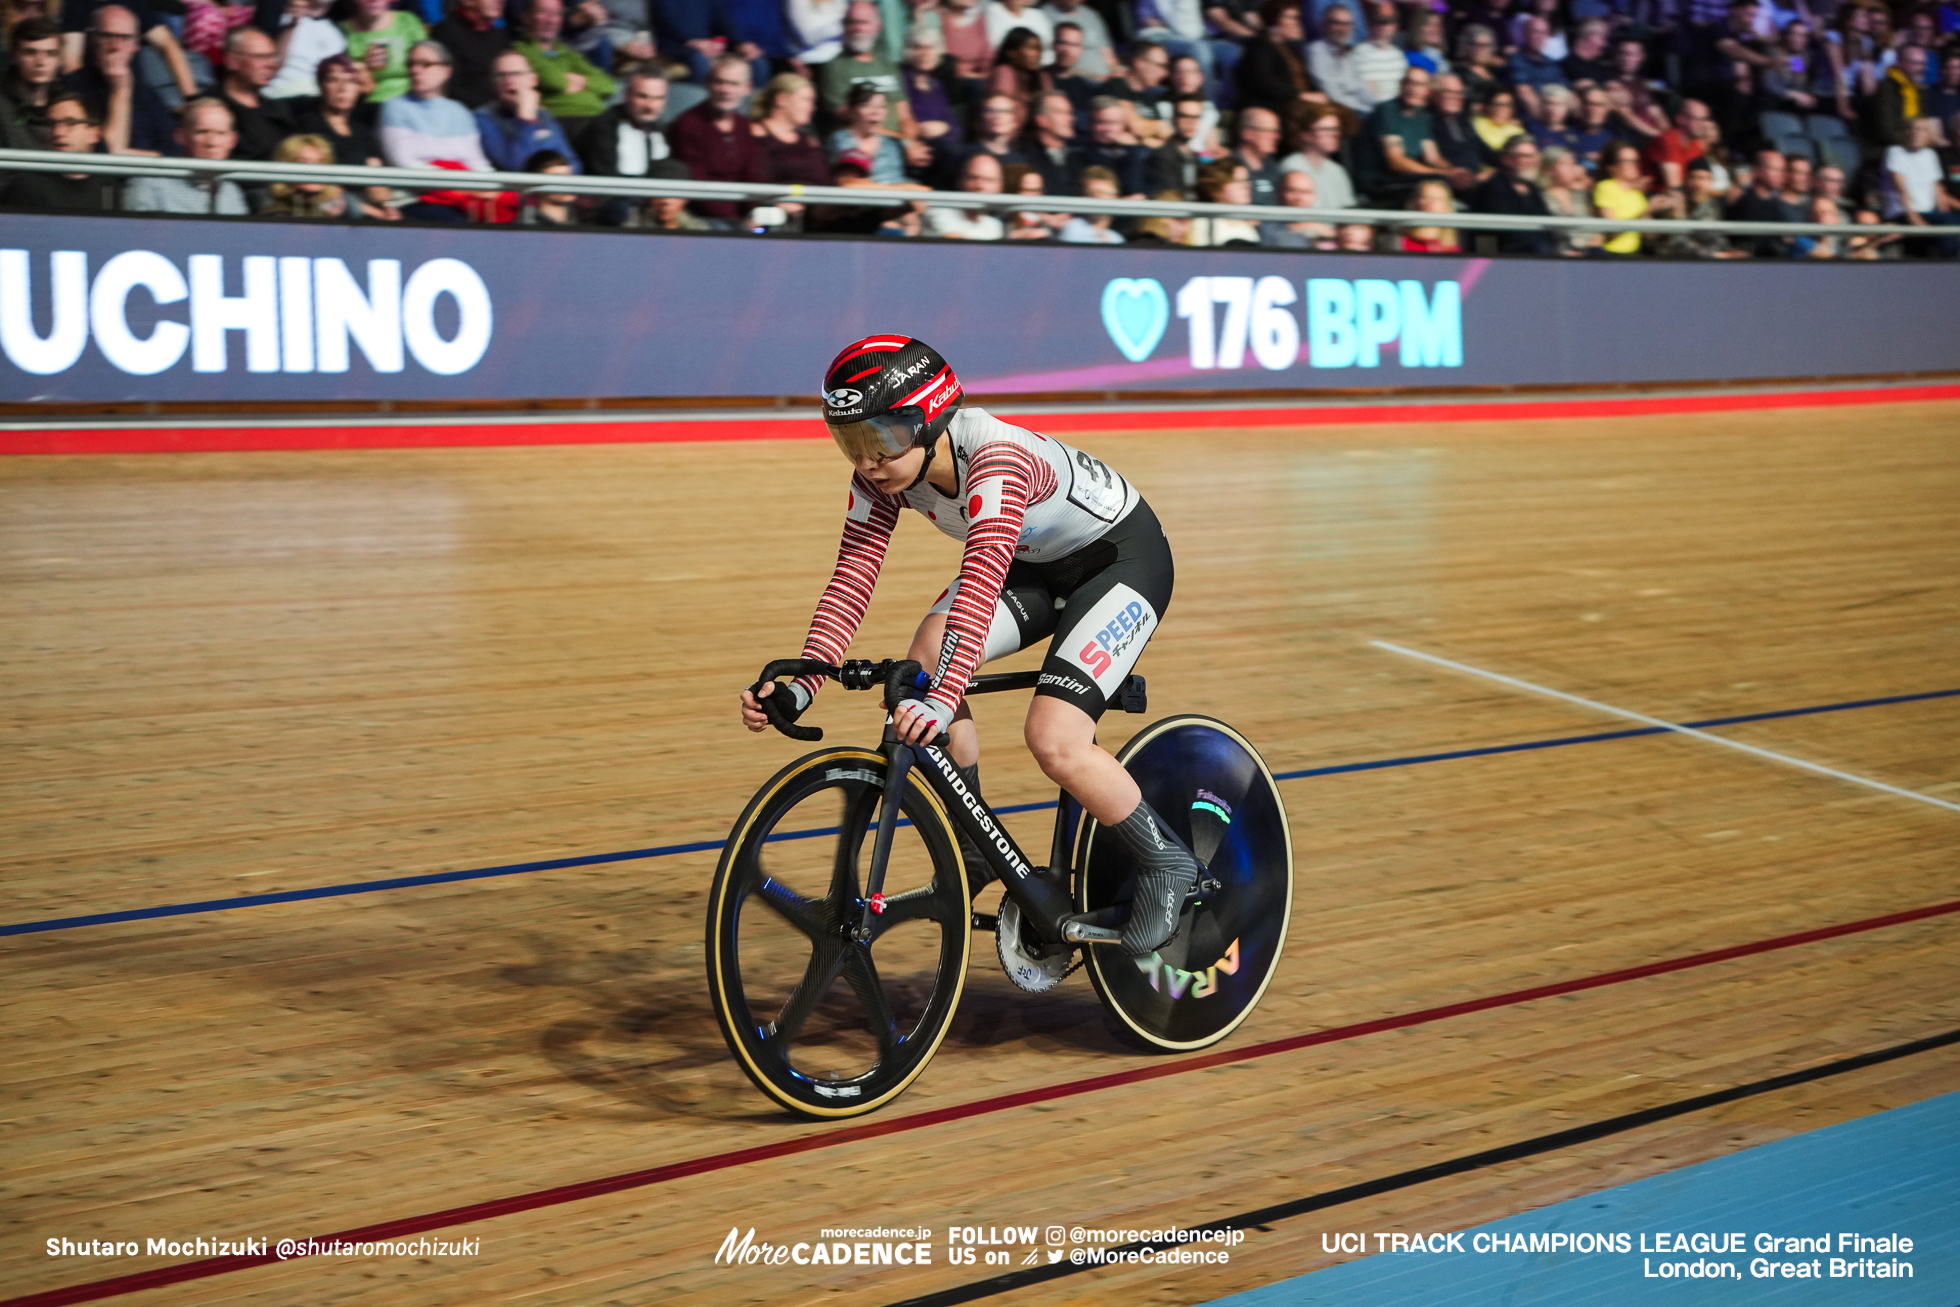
x: 1057, y: 544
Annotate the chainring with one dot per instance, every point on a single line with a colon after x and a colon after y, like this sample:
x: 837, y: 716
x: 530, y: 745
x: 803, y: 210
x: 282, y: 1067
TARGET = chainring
x: 1035, y: 974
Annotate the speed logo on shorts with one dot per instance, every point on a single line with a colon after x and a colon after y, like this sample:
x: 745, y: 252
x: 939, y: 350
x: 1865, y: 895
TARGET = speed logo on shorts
x: 1111, y: 635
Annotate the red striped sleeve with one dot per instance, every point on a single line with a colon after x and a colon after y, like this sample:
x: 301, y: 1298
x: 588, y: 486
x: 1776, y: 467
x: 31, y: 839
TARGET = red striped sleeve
x: 868, y: 522
x: 1041, y: 481
x: 999, y: 479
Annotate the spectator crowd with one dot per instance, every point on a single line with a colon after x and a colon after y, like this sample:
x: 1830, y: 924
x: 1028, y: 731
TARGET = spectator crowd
x: 1826, y: 111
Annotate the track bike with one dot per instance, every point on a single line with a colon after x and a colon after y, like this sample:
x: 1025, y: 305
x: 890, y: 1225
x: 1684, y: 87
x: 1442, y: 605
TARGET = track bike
x: 840, y: 921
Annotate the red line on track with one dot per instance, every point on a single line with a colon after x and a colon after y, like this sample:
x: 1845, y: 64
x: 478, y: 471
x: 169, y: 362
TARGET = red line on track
x: 1486, y: 410
x: 408, y: 435
x: 409, y: 1226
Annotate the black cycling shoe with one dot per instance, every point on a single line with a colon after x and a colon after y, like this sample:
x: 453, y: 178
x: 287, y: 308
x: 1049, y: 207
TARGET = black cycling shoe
x: 1165, y: 874
x: 979, y: 872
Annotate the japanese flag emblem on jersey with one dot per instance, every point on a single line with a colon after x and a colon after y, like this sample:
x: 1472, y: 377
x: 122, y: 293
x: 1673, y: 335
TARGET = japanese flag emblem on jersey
x: 983, y: 500
x: 1108, y: 639
x: 859, y: 509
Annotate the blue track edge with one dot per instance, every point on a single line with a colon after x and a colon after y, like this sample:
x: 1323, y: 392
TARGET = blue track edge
x: 1890, y: 1173
x: 706, y: 846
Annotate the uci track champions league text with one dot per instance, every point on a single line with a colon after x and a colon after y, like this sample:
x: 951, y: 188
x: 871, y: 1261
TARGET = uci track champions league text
x: 295, y: 314
x: 1668, y: 1255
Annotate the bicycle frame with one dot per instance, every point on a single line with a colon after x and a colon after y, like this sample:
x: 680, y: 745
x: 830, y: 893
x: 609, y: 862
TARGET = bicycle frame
x: 1232, y: 926
x: 1041, y: 892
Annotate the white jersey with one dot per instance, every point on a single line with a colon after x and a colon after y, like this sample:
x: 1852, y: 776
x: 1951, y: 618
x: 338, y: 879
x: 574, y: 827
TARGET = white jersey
x: 1073, y: 498
x: 1022, y: 496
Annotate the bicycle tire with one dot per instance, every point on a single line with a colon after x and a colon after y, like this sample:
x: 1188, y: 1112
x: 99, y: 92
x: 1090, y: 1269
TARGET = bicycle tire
x: 1199, y: 987
x: 807, y: 1052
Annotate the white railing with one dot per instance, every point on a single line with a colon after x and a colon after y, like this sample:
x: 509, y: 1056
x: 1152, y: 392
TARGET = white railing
x: 529, y: 184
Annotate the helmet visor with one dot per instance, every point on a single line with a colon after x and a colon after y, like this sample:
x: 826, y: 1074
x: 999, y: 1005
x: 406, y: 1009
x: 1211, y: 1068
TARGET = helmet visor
x: 870, y: 439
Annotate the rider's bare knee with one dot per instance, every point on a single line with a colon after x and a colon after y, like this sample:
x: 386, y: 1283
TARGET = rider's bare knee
x: 1056, y: 755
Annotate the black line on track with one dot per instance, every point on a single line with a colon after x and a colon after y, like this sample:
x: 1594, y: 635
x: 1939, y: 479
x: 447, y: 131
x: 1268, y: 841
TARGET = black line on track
x: 1260, y: 1217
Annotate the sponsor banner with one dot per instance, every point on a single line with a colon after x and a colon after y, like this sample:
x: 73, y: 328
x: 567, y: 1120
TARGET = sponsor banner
x: 103, y: 309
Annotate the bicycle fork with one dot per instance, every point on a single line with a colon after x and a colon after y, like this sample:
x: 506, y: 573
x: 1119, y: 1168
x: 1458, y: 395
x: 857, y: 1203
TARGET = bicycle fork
x: 1045, y: 901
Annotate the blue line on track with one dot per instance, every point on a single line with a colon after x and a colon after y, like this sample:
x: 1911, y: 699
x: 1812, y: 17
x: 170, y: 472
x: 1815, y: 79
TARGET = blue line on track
x: 706, y: 846
x: 1528, y: 746
x: 1484, y: 752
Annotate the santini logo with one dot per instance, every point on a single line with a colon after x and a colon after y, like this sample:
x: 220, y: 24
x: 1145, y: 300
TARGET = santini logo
x: 295, y: 314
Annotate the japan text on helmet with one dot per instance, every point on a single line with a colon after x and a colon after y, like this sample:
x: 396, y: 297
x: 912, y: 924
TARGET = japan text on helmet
x: 884, y: 394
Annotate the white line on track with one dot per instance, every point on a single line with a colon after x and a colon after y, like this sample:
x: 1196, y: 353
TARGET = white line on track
x: 1632, y: 716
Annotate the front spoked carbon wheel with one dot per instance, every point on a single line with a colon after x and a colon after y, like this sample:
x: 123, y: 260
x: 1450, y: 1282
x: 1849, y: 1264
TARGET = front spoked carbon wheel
x: 1211, y: 786
x: 826, y: 1025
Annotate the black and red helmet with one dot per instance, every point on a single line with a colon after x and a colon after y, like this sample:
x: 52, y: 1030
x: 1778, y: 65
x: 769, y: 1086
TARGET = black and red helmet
x: 884, y: 394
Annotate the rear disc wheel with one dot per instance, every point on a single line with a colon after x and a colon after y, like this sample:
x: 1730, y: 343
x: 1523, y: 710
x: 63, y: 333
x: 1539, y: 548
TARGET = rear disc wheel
x: 1215, y: 792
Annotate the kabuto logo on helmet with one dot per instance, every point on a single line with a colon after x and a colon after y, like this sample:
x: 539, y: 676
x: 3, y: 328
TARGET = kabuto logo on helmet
x: 935, y: 394
x: 886, y: 394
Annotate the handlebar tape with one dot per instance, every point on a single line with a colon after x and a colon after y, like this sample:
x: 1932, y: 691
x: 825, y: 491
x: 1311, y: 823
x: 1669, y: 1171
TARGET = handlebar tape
x: 772, y: 708
x: 782, y: 667
x: 777, y: 705
x: 904, y: 679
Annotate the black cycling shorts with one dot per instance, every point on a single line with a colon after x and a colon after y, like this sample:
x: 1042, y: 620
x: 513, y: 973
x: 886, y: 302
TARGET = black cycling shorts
x: 1101, y: 604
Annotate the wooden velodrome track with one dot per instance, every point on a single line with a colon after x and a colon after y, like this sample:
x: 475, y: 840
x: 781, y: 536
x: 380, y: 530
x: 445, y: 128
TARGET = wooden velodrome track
x: 239, y: 674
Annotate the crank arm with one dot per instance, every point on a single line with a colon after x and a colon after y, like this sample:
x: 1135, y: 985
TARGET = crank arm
x: 1085, y: 928
x: 1103, y: 925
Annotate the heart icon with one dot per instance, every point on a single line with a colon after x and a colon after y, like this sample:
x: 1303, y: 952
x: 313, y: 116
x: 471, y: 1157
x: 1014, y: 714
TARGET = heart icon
x: 1054, y: 1255
x: 1135, y: 312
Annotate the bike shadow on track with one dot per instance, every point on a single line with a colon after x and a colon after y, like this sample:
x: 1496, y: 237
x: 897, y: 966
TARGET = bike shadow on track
x: 644, y: 1033
x: 649, y: 1037
x: 994, y: 1014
